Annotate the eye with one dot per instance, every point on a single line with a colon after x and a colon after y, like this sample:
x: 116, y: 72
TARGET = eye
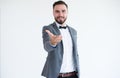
x: 63, y: 11
x: 57, y: 11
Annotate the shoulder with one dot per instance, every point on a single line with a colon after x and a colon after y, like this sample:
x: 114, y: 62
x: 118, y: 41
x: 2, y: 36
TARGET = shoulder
x: 72, y: 29
x: 50, y: 26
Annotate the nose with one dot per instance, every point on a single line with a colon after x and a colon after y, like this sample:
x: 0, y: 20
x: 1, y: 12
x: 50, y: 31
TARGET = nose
x: 60, y: 14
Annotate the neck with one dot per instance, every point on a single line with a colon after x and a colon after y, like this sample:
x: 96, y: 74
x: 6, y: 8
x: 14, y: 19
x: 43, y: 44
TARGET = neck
x: 64, y: 24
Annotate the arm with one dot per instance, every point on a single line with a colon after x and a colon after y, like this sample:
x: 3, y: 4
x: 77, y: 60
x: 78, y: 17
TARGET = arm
x: 50, y: 40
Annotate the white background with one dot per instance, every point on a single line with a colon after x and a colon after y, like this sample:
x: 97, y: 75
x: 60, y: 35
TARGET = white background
x: 21, y: 47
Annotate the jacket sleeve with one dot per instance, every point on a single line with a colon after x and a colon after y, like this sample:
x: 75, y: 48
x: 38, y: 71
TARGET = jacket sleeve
x: 46, y: 39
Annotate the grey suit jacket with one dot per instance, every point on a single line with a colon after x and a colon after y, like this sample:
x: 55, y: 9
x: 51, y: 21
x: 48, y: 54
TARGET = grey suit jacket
x: 55, y: 54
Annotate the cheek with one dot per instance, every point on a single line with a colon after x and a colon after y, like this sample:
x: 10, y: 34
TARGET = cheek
x: 55, y: 15
x: 65, y: 14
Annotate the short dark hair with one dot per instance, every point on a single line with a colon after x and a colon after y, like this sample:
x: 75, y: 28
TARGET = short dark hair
x: 60, y: 2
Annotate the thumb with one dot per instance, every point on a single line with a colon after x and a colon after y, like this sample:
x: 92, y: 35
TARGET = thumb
x: 49, y: 33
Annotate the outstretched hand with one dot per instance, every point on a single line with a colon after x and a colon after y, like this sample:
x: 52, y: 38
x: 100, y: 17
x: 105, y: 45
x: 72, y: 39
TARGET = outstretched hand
x: 54, y: 39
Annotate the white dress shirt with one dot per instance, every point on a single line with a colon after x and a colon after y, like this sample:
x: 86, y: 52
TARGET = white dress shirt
x: 67, y: 62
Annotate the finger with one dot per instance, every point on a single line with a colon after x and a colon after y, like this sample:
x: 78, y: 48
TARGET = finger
x: 49, y: 33
x: 58, y: 38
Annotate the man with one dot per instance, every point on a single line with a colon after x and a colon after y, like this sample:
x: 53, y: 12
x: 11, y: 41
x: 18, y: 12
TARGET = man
x: 60, y: 42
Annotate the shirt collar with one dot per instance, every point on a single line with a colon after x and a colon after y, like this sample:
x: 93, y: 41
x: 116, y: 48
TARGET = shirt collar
x: 60, y: 24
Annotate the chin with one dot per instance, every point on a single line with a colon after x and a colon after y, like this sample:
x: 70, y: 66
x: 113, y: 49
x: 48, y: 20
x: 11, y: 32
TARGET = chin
x: 60, y: 22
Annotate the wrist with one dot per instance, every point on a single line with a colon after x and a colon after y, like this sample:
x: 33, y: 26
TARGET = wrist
x: 53, y: 44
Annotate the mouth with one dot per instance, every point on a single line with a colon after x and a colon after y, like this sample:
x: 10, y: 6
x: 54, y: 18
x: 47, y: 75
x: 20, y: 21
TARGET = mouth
x: 60, y: 17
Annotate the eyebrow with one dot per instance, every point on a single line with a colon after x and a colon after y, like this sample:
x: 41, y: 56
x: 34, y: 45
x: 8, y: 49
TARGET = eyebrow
x: 58, y: 10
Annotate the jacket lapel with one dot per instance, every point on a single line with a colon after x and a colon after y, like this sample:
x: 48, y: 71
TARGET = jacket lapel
x: 57, y: 31
x: 72, y: 34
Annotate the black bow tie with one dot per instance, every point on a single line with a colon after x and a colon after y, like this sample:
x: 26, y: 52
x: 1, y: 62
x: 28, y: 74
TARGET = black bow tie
x: 62, y: 27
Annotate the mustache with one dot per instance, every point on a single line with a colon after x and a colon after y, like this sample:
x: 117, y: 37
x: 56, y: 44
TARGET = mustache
x: 60, y: 17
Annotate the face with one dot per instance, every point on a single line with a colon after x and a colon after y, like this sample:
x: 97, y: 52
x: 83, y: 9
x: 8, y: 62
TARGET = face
x: 60, y: 13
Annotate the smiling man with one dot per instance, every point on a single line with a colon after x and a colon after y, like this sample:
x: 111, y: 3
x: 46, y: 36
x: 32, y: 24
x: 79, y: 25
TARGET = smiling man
x: 60, y: 41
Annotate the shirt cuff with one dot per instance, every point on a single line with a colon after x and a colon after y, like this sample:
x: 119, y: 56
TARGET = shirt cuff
x: 53, y: 45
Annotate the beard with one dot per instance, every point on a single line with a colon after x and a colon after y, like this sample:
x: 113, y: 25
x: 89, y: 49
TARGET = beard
x: 60, y: 21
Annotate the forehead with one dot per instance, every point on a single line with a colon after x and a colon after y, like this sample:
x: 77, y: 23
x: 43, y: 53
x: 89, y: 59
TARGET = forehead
x: 60, y: 7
